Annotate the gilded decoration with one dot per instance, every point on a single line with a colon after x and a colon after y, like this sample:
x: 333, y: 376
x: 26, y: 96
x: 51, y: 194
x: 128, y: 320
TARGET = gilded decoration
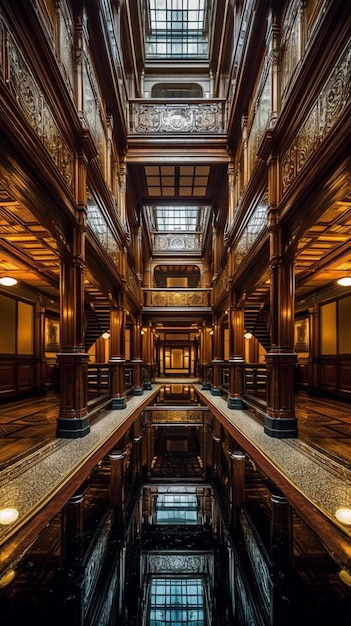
x: 177, y: 416
x: 178, y: 118
x: 323, y: 115
x: 33, y: 103
x: 177, y: 298
x: 183, y: 242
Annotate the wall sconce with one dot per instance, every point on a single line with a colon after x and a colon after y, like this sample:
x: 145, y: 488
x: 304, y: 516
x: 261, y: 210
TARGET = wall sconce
x: 345, y: 281
x: 248, y: 335
x: 142, y: 332
x: 7, y: 281
x: 106, y: 335
x: 211, y: 332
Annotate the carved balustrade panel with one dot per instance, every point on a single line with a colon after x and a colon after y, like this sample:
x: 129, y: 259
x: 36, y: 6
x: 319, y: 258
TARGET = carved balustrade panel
x: 325, y: 112
x: 178, y: 118
x: 182, y: 298
x: 102, y: 231
x: 35, y: 106
x: 253, y: 229
x: 177, y: 242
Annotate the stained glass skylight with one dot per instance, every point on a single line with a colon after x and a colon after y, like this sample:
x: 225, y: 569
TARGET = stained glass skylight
x: 176, y: 29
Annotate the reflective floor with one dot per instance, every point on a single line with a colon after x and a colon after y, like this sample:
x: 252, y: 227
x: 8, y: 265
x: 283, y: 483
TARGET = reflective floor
x: 179, y: 539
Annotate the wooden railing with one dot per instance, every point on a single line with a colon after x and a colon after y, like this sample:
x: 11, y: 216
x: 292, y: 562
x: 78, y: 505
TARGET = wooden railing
x: 100, y: 377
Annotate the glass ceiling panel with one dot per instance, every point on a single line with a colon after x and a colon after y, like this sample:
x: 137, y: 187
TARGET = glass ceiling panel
x: 177, y: 218
x: 176, y: 29
x: 177, y: 601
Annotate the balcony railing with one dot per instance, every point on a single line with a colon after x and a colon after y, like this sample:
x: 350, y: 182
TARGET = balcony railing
x: 177, y: 297
x: 177, y: 116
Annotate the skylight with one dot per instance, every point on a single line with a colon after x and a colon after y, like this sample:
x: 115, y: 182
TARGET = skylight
x: 176, y: 29
x: 190, y: 219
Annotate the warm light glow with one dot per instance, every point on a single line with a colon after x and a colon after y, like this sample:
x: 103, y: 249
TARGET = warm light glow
x: 7, y: 516
x: 105, y: 335
x: 344, y: 516
x: 7, y: 281
x: 345, y: 577
x: 248, y: 335
x: 211, y: 332
x: 141, y: 332
x: 7, y: 578
x: 345, y: 281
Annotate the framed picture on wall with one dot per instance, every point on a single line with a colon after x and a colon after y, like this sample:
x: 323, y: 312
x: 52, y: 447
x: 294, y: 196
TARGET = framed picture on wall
x: 52, y: 335
x: 302, y: 335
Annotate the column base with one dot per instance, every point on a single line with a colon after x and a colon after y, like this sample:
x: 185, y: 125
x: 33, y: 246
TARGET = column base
x: 118, y: 403
x: 138, y: 391
x: 147, y: 386
x: 235, y: 403
x: 72, y: 427
x: 281, y: 428
x: 215, y: 391
x: 206, y: 386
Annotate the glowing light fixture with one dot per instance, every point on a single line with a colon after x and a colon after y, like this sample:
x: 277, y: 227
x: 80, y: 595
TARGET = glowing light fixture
x: 345, y: 577
x: 343, y: 515
x: 7, y: 281
x: 345, y: 281
x: 8, y: 515
x: 106, y: 335
x: 248, y: 335
x: 7, y: 578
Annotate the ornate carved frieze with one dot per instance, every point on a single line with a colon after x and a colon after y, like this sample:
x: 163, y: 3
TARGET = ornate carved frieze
x: 33, y: 103
x: 177, y: 298
x: 290, y: 46
x: 180, y: 242
x: 323, y: 115
x: 261, y: 117
x: 178, y: 118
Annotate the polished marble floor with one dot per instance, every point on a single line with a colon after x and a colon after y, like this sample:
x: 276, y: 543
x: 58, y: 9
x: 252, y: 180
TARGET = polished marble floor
x: 27, y: 425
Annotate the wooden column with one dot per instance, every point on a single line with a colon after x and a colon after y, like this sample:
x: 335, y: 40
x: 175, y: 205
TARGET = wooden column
x: 236, y: 358
x: 314, y: 351
x: 117, y: 359
x: 206, y: 355
x: 116, y: 485
x: 281, y: 533
x: 237, y: 483
x: 217, y: 360
x: 73, y: 530
x: 280, y: 420
x: 39, y: 350
x: 147, y: 356
x: 136, y: 357
x: 73, y: 359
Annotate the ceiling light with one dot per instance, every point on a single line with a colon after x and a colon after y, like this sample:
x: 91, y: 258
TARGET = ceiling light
x: 345, y: 281
x: 7, y: 516
x: 344, y: 516
x: 7, y: 578
x: 248, y: 335
x: 7, y: 281
x: 345, y: 577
